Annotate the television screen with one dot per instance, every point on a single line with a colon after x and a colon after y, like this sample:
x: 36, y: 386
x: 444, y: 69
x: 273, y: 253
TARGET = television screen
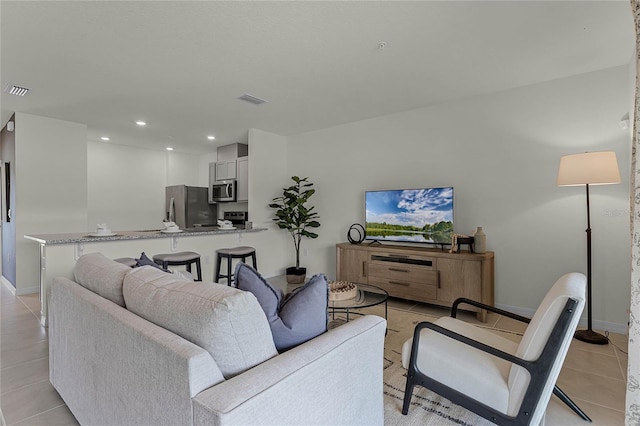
x: 410, y: 215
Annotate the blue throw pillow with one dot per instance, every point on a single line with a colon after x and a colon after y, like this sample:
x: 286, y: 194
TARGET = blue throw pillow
x: 299, y: 317
x: 145, y: 261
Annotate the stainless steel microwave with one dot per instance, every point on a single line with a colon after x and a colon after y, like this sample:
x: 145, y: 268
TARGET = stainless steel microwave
x: 222, y: 191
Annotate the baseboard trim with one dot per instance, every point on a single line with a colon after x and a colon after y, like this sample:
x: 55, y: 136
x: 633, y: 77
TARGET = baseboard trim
x: 8, y: 284
x: 28, y: 290
x: 597, y: 325
x: 18, y: 292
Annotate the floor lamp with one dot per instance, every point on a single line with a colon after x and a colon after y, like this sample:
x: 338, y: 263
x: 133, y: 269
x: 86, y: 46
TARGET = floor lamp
x: 589, y: 168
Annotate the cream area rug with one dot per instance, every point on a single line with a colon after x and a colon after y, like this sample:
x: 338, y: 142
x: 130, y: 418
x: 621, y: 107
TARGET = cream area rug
x: 427, y: 408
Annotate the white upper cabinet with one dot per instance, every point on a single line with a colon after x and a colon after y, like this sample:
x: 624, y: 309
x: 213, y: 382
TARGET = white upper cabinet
x: 226, y: 170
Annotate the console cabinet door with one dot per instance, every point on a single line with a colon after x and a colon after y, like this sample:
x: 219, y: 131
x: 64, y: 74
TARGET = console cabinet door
x: 352, y: 265
x: 459, y: 278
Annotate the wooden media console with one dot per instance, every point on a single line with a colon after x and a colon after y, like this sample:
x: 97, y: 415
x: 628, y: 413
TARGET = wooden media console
x: 419, y: 273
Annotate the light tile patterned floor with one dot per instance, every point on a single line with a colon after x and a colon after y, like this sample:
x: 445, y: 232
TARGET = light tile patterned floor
x: 593, y: 376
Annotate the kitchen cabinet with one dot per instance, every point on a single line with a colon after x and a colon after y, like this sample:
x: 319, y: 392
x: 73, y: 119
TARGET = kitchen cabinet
x: 225, y: 170
x: 420, y: 273
x: 242, y: 168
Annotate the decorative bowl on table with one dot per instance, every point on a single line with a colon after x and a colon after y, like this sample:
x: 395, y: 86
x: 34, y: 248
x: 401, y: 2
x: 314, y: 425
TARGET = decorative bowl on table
x: 342, y: 290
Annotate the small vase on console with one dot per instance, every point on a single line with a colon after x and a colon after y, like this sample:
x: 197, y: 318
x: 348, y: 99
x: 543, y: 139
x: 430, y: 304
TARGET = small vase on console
x: 480, y: 240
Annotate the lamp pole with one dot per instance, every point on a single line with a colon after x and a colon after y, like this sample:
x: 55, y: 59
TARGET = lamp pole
x: 589, y: 335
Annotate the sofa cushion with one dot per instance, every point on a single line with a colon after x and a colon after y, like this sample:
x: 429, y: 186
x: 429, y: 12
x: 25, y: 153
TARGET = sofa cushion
x: 299, y: 317
x: 103, y: 276
x: 226, y: 322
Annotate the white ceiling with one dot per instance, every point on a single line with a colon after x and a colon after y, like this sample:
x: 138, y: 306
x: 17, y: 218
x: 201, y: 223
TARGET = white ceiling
x: 181, y: 65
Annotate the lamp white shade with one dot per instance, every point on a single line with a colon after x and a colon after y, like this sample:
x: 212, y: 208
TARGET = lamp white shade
x: 593, y: 168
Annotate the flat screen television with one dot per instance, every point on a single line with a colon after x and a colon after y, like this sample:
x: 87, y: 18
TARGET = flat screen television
x: 410, y: 215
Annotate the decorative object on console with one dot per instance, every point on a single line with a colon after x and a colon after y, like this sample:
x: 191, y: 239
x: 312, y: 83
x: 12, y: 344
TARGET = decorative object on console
x: 294, y: 319
x: 293, y: 215
x: 459, y: 239
x: 479, y: 240
x: 342, y: 290
x: 358, y: 229
x: 589, y: 168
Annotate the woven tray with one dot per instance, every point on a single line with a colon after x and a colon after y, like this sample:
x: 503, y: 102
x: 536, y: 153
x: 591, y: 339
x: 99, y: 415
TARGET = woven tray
x: 342, y: 290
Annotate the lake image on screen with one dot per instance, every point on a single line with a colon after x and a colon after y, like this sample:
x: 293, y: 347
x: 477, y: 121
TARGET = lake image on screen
x: 411, y: 215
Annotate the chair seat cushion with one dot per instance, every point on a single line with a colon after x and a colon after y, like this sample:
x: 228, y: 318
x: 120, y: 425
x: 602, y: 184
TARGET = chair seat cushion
x: 226, y: 322
x: 468, y: 370
x: 299, y: 317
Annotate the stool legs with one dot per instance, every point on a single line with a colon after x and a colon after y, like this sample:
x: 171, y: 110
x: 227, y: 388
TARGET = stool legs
x: 165, y: 265
x: 218, y: 264
x: 198, y: 270
x: 230, y: 257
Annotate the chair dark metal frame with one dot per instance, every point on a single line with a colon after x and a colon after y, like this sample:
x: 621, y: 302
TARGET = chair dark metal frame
x: 538, y: 369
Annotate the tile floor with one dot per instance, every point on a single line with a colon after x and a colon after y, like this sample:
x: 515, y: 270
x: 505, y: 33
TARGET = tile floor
x: 593, y: 376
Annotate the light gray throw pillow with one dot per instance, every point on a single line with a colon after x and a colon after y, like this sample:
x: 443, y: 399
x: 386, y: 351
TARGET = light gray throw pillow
x: 98, y: 273
x: 226, y: 322
x: 299, y: 317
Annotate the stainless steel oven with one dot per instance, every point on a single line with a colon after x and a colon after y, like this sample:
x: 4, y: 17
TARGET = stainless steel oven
x: 222, y: 191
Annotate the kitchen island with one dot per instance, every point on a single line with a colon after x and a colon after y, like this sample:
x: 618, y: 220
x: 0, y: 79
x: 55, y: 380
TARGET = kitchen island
x: 59, y: 252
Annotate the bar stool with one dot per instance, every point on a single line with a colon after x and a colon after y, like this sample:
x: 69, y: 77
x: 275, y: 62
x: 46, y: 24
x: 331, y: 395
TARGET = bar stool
x: 241, y: 252
x: 129, y: 261
x: 181, y: 258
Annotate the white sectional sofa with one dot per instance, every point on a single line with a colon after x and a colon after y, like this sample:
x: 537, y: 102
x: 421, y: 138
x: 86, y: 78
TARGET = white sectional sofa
x: 142, y: 347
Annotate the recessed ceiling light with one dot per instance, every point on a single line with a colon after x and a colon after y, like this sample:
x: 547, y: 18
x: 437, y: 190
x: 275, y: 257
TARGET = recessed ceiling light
x: 105, y: 138
x: 141, y: 123
x: 211, y: 137
x: 169, y: 148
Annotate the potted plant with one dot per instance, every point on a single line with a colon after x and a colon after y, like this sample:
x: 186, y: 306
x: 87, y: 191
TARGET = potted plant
x: 293, y: 215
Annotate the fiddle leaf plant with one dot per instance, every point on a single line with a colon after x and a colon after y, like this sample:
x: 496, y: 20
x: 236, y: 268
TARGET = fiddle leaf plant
x: 294, y: 215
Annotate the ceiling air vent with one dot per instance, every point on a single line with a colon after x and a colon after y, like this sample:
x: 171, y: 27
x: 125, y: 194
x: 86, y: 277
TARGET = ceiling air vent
x: 252, y: 99
x: 12, y: 89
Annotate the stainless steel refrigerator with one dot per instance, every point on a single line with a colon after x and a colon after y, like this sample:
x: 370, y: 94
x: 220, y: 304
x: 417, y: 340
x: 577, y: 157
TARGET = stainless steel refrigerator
x: 188, y: 206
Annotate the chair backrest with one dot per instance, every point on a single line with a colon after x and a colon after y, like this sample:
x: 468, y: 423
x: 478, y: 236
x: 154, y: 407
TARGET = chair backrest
x: 571, y: 285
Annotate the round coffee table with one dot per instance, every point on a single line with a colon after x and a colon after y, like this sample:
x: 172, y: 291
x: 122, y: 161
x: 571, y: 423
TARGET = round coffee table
x: 368, y: 295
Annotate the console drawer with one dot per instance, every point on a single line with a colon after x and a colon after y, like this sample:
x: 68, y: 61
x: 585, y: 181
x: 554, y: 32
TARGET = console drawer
x: 402, y: 272
x: 422, y: 292
x: 399, y: 259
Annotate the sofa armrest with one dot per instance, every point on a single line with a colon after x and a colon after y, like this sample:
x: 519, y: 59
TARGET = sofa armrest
x: 335, y: 378
x: 112, y: 367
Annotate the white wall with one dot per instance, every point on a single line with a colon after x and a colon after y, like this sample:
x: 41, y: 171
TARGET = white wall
x: 501, y: 153
x: 267, y: 175
x: 126, y: 184
x: 51, y: 187
x: 126, y: 190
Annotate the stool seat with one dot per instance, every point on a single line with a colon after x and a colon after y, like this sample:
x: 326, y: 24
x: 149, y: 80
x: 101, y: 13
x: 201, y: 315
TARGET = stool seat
x: 185, y: 258
x: 241, y: 252
x: 129, y: 261
x: 237, y: 251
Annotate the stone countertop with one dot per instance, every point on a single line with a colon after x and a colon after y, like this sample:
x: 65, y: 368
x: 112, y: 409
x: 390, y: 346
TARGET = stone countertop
x: 86, y: 237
